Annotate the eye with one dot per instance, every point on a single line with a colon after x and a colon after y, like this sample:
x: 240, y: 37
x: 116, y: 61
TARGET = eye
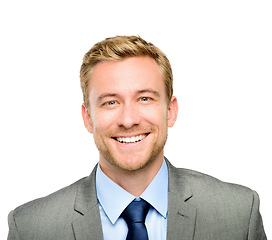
x: 144, y: 99
x: 110, y: 103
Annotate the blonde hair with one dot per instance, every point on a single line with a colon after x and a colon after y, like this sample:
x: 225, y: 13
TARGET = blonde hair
x: 118, y: 48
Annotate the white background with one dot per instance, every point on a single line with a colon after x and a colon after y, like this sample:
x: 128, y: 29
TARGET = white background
x: 221, y: 56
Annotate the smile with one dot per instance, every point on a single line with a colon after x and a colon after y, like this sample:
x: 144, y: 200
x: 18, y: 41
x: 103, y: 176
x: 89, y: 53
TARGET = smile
x: 132, y: 139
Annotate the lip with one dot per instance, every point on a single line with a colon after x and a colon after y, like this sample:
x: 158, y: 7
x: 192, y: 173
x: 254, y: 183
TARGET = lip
x: 131, y: 135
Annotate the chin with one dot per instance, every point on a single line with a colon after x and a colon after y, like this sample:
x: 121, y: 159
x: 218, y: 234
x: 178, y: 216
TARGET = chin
x: 131, y: 163
x: 134, y: 163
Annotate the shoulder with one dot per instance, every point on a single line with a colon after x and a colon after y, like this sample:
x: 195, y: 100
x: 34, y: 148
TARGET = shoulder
x: 220, y: 205
x: 59, y: 201
x: 208, y: 190
x: 209, y: 186
x: 219, y: 209
x: 50, y: 217
x: 204, y: 182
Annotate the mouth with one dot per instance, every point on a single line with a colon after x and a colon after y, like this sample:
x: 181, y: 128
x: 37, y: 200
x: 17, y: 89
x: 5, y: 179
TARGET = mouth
x: 132, y: 139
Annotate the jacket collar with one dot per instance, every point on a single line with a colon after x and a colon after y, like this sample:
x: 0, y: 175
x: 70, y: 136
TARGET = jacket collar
x: 181, y: 215
x: 88, y: 224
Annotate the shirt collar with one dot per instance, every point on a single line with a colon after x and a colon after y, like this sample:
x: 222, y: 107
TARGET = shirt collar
x: 156, y: 193
x: 110, y: 194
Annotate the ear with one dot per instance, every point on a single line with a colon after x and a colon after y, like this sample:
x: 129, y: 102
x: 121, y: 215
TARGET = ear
x: 172, y: 111
x: 87, y: 119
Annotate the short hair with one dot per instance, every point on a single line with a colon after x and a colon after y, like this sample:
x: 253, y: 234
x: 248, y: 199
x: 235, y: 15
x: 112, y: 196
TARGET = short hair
x: 118, y: 48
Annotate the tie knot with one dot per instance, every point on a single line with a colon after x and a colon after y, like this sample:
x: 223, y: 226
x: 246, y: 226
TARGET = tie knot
x: 136, y: 212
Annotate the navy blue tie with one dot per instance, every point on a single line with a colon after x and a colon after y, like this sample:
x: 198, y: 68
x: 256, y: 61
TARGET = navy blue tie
x: 135, y: 215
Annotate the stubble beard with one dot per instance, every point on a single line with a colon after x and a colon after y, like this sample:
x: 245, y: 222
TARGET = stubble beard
x: 108, y: 155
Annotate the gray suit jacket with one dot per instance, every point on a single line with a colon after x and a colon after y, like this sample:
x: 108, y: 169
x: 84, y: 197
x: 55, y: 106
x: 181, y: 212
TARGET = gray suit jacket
x: 200, y: 208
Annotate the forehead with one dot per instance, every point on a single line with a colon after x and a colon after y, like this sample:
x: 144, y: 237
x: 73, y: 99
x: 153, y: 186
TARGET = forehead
x: 128, y: 75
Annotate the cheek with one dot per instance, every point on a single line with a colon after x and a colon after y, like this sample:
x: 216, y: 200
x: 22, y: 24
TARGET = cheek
x: 102, y: 121
x: 156, y: 116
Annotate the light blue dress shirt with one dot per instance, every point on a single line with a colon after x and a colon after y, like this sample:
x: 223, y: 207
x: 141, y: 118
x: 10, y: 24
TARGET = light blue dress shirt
x: 113, y: 200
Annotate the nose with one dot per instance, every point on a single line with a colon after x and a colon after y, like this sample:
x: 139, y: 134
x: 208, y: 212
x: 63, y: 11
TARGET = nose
x: 129, y: 116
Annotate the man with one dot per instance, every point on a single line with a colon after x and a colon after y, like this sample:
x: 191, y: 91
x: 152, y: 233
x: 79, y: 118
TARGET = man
x: 128, y: 107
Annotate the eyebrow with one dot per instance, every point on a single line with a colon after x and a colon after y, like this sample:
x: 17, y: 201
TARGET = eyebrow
x: 156, y: 93
x: 105, y: 95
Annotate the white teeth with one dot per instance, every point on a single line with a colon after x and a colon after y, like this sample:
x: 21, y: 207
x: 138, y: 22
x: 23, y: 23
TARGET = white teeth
x: 131, y: 139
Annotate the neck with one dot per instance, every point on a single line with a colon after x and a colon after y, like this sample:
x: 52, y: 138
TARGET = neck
x: 134, y: 182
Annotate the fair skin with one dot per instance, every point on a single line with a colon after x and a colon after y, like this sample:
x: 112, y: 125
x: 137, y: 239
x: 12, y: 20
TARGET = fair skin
x: 129, y: 116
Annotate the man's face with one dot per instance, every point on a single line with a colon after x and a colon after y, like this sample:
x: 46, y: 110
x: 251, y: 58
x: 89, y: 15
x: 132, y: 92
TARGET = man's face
x: 129, y: 114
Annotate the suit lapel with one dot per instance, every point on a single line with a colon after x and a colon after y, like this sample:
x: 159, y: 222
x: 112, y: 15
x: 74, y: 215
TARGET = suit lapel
x: 181, y: 215
x: 88, y: 224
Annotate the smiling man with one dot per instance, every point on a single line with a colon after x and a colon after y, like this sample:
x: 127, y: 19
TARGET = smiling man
x: 128, y: 114
x: 134, y: 192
